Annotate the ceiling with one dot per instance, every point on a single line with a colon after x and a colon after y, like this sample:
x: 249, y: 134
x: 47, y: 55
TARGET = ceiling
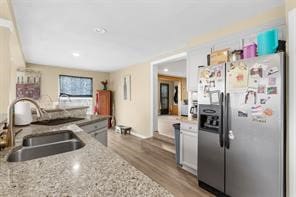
x: 137, y: 30
x: 175, y: 68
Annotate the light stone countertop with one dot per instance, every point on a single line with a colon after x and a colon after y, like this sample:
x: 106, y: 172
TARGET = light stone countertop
x: 93, y: 170
x: 187, y: 119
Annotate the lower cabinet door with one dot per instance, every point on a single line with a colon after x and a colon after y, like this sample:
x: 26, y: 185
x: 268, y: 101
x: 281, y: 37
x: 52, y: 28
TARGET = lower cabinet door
x: 188, y: 146
x: 101, y: 136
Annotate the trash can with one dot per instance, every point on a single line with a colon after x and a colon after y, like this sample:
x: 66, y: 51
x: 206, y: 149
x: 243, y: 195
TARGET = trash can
x: 177, y: 141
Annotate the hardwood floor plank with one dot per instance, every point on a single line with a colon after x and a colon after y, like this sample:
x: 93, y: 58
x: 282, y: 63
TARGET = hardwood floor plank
x: 156, y: 163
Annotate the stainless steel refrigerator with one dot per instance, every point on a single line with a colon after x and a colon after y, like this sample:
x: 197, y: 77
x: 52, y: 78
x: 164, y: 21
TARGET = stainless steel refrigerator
x: 241, y: 137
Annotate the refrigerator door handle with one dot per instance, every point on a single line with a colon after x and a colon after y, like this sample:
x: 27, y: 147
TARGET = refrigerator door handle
x: 230, y: 135
x: 227, y: 102
x: 221, y: 126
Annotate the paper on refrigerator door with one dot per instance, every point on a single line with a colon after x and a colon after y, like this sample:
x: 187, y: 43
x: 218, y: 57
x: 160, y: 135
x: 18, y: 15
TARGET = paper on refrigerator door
x: 238, y: 76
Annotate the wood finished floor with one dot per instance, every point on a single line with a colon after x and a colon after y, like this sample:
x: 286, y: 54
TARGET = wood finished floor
x: 161, y: 144
x: 156, y: 163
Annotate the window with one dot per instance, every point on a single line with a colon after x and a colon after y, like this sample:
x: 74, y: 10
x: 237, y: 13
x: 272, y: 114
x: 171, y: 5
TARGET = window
x: 73, y: 86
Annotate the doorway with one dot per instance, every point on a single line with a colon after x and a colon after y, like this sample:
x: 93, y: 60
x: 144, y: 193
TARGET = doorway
x: 169, y: 94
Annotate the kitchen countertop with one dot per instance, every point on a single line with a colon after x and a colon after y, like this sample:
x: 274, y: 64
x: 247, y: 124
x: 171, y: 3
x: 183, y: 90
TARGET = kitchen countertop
x: 93, y: 170
x: 65, y: 108
x: 187, y: 119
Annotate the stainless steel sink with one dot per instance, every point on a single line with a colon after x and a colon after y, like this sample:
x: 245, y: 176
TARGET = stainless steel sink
x: 46, y: 138
x: 45, y: 145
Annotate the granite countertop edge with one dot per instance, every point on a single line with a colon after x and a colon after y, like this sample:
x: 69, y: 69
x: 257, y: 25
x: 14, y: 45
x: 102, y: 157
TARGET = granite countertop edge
x: 187, y: 119
x: 93, y: 170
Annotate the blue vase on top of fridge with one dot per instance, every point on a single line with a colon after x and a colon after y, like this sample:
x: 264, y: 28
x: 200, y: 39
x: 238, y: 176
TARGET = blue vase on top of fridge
x: 267, y: 42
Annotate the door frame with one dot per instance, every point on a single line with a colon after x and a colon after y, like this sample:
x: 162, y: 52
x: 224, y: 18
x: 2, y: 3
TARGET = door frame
x: 180, y: 87
x: 154, y: 89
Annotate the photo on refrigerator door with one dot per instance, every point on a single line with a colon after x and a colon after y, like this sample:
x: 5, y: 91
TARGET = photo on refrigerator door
x: 215, y: 97
x: 242, y: 114
x: 264, y: 100
x: 261, y: 89
x: 272, y: 90
x: 251, y: 97
x: 272, y: 81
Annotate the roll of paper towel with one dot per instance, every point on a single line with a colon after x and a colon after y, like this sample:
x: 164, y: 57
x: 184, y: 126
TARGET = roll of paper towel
x: 22, y: 114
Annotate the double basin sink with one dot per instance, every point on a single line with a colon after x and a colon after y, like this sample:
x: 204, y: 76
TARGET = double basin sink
x: 46, y: 144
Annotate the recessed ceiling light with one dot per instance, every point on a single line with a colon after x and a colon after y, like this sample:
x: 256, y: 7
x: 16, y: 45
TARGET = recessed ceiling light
x: 100, y: 30
x: 165, y: 70
x: 75, y: 54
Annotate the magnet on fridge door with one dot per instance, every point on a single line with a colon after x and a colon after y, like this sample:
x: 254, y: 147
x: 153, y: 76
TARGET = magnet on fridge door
x: 212, y: 74
x: 261, y: 89
x: 268, y: 112
x: 212, y: 83
x: 259, y: 119
x: 272, y: 90
x: 204, y: 74
x: 242, y: 114
x: 272, y: 81
x: 257, y: 110
x: 263, y: 101
x: 206, y: 90
x: 249, y: 95
x: 272, y: 71
x: 218, y: 74
x: 256, y: 72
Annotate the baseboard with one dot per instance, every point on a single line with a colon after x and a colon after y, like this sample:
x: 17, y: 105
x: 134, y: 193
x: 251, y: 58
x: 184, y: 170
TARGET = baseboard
x: 188, y: 169
x: 164, y: 138
x: 139, y: 135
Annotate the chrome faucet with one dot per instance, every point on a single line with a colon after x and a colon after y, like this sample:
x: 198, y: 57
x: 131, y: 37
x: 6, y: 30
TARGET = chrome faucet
x: 11, y: 134
x: 66, y: 96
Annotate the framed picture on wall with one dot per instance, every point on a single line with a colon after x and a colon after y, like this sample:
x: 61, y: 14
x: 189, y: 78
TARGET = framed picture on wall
x: 126, y: 87
x: 28, y: 83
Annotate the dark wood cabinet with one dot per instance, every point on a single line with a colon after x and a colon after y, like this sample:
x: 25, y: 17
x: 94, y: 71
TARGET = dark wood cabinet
x: 104, y: 104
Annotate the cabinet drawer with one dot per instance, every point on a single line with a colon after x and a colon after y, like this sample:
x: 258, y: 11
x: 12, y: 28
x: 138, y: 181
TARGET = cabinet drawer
x: 95, y: 126
x: 188, y: 127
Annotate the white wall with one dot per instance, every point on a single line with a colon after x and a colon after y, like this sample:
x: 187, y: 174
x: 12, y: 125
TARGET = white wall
x: 50, y: 79
x: 134, y: 113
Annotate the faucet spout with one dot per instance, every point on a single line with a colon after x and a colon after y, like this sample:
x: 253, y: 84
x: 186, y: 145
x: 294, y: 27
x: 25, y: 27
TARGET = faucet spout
x: 10, y: 134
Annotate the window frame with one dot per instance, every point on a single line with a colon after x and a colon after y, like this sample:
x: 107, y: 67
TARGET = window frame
x: 76, y: 96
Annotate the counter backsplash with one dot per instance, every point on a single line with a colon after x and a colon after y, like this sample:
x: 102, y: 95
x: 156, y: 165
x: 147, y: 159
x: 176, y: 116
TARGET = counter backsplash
x: 61, y: 113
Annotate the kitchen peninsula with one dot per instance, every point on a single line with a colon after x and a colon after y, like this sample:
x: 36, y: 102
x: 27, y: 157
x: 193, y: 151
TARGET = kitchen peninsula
x: 93, y: 170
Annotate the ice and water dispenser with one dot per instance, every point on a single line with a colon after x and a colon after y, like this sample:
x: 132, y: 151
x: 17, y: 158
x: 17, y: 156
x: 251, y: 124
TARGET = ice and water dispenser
x: 210, y: 118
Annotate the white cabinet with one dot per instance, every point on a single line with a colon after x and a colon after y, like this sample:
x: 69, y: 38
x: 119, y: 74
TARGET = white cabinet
x: 188, y: 147
x: 195, y: 58
x: 98, y: 130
